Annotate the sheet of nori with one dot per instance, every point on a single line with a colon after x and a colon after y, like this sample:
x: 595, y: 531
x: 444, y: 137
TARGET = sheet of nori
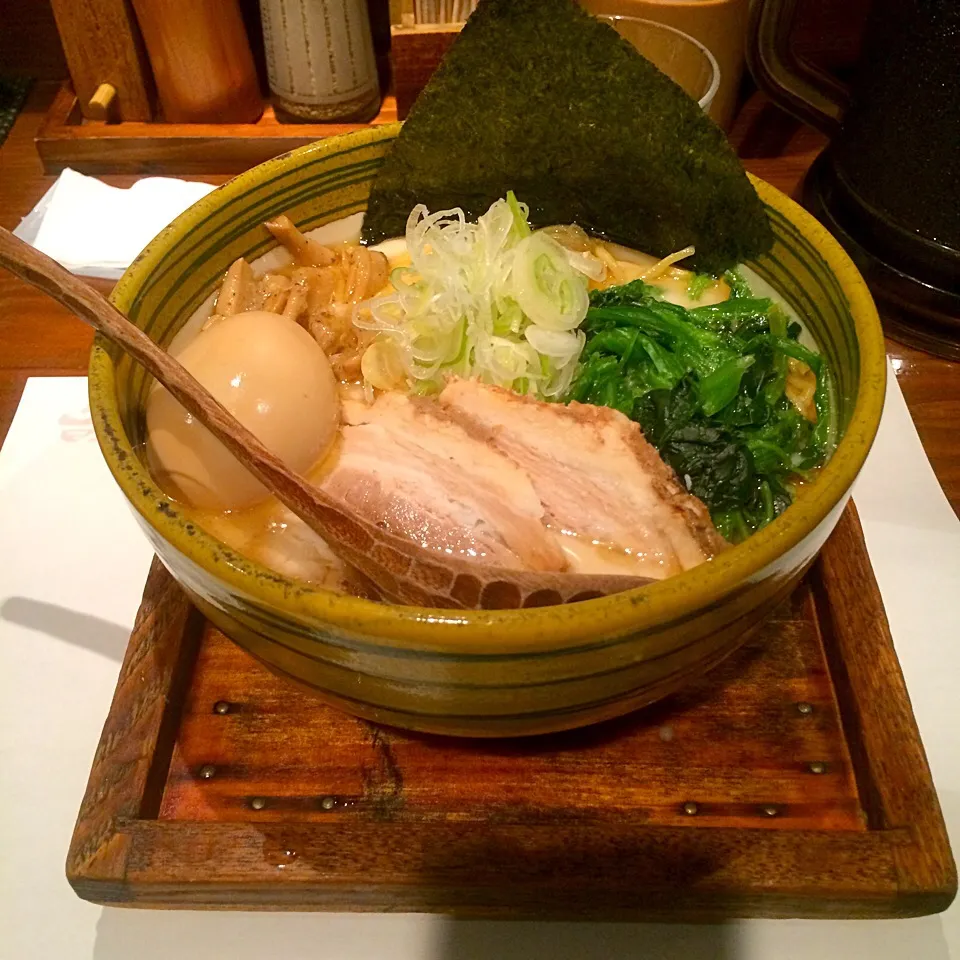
x: 539, y: 97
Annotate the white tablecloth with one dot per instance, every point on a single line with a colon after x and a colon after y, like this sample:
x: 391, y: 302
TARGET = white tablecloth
x: 72, y: 571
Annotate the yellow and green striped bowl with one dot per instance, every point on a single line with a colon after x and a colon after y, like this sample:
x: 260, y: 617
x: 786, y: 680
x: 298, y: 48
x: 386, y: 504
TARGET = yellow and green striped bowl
x: 476, y: 673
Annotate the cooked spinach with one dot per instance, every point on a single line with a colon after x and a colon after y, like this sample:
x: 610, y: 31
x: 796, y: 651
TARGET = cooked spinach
x: 707, y: 387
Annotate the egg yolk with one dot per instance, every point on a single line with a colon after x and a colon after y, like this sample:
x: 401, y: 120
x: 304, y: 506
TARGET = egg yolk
x: 274, y: 378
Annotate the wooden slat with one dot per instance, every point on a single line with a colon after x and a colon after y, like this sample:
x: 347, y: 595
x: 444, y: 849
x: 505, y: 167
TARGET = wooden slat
x: 102, y: 44
x: 137, y: 737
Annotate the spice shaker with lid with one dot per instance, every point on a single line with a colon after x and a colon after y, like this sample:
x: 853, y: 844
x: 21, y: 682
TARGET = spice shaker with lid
x: 320, y: 59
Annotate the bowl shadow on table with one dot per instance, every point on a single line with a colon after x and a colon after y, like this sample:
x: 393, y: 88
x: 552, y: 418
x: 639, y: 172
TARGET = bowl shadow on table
x: 542, y: 882
x: 71, y: 626
x: 524, y: 940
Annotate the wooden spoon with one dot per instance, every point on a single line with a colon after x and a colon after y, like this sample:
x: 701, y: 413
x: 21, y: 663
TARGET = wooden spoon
x: 402, y: 570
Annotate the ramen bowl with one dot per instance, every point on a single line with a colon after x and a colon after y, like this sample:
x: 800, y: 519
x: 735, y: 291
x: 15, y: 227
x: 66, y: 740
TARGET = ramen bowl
x: 474, y: 673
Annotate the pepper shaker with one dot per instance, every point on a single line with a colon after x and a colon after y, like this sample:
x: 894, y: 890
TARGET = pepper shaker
x: 320, y: 59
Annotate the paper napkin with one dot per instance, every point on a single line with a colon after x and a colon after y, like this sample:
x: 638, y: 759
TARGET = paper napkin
x: 95, y: 230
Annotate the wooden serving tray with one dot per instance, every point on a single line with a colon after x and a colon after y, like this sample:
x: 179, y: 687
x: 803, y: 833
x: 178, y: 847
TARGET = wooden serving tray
x: 790, y: 781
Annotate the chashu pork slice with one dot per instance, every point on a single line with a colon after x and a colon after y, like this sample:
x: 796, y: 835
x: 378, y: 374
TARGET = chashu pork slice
x: 409, y: 467
x: 607, y: 495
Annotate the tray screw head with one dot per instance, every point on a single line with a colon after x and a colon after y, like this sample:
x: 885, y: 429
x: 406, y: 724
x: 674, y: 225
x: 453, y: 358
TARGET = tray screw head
x: 257, y: 803
x: 691, y: 809
x: 328, y: 803
x: 805, y: 709
x: 207, y: 771
x: 770, y: 810
x: 221, y: 707
x: 817, y: 766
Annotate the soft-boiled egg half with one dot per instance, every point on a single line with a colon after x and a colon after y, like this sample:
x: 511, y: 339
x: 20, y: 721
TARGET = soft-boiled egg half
x: 274, y: 378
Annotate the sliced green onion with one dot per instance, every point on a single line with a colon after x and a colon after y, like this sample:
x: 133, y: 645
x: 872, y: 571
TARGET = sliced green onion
x: 547, y: 288
x: 489, y: 299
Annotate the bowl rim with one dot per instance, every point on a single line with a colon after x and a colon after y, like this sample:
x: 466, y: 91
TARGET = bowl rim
x: 522, y: 631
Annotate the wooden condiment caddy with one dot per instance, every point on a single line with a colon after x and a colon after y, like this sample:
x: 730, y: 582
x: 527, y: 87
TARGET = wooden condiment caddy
x: 109, y: 119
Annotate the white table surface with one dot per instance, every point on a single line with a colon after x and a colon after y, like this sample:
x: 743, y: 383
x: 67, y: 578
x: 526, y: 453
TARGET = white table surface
x: 72, y: 570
